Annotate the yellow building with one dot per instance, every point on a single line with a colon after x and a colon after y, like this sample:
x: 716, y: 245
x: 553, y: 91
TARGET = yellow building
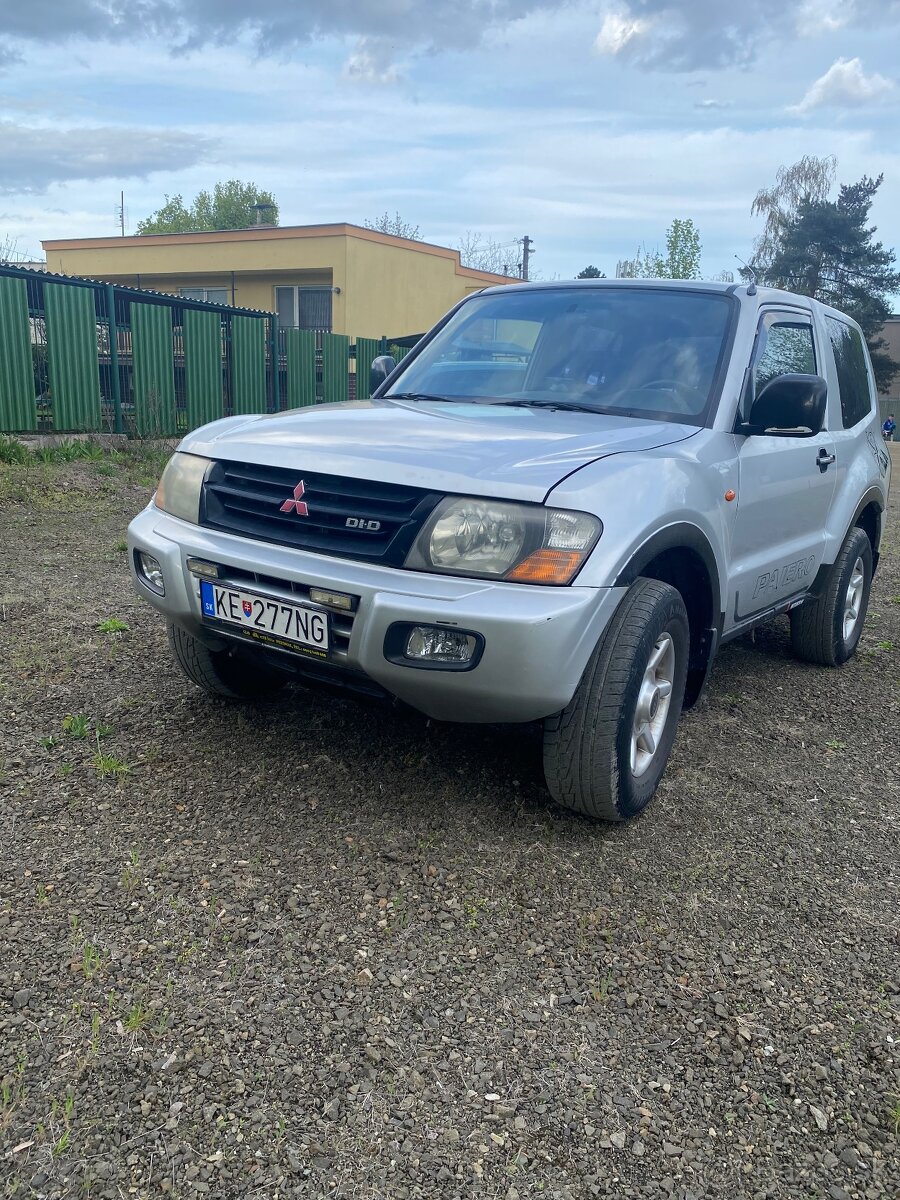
x: 342, y: 278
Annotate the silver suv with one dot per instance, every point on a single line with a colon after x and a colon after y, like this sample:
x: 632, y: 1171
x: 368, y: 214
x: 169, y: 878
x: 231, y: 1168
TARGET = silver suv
x: 555, y: 509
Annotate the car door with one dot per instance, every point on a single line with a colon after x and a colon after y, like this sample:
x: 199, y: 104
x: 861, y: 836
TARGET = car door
x: 785, y: 484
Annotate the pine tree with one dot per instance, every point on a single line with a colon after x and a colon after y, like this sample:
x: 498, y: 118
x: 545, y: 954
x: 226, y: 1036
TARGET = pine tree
x: 828, y: 251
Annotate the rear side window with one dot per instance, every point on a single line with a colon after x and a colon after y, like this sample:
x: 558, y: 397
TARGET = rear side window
x: 852, y: 373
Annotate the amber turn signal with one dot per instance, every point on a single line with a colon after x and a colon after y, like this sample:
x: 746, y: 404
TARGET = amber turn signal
x: 547, y: 566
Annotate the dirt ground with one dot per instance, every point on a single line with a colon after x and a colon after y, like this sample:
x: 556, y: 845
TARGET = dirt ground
x: 322, y: 949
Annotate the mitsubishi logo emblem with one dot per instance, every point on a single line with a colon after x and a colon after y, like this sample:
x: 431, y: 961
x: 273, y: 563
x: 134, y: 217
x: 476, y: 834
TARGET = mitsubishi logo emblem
x: 296, y: 505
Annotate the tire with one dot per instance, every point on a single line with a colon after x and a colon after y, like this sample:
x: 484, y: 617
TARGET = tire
x: 221, y: 673
x: 821, y: 630
x: 588, y: 746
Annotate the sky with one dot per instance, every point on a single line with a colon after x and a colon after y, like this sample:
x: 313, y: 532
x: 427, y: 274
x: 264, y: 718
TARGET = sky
x: 587, y: 126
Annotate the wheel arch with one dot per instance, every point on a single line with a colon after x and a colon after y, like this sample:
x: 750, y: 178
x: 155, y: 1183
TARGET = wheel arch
x: 869, y: 516
x: 682, y: 556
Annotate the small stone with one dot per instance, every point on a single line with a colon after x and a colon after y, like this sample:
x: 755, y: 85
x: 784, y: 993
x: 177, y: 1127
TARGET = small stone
x: 618, y: 1139
x: 638, y: 1148
x: 819, y: 1117
x: 21, y: 998
x: 837, y: 1193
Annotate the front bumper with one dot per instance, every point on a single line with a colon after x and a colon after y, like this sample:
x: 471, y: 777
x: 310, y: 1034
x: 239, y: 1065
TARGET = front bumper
x: 537, y: 640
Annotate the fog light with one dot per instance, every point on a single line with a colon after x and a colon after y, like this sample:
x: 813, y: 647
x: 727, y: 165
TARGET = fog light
x: 439, y: 645
x: 151, y: 572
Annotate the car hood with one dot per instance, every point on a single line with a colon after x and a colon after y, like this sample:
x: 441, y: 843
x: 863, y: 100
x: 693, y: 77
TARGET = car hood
x: 475, y: 449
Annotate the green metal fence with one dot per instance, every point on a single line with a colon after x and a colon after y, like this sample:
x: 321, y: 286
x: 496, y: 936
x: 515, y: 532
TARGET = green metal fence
x: 77, y: 355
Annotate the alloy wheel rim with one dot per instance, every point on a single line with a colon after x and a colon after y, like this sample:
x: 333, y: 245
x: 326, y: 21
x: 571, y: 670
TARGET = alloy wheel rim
x: 653, y: 703
x: 853, y: 598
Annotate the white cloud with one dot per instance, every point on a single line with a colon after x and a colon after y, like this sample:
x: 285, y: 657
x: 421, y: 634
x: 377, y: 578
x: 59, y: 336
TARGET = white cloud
x: 711, y: 103
x: 818, y: 17
x: 617, y: 30
x: 845, y: 85
x: 372, y: 62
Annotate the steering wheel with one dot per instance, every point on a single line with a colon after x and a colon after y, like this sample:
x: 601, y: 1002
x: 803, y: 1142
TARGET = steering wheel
x: 682, y: 392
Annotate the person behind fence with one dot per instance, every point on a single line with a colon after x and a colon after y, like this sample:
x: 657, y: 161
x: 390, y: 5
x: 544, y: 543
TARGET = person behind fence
x: 887, y: 429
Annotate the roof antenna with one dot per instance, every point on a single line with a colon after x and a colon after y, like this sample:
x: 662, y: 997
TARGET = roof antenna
x: 751, y: 287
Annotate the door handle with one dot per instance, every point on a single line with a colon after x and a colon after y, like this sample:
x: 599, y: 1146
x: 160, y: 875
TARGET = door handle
x: 824, y: 460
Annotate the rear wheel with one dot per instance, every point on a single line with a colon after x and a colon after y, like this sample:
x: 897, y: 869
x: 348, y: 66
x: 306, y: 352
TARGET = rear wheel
x: 605, y: 753
x: 827, y: 631
x: 222, y: 673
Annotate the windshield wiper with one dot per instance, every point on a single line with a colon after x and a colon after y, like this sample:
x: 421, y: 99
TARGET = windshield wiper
x: 565, y: 405
x: 422, y: 396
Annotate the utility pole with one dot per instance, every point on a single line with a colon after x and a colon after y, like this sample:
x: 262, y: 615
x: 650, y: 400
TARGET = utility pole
x: 526, y: 254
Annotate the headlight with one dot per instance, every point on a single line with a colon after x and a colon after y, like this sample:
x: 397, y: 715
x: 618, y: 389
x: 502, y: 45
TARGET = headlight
x: 179, y: 489
x: 498, y: 539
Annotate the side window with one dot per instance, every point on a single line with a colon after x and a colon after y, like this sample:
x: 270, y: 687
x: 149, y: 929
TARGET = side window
x: 852, y: 373
x: 788, y: 350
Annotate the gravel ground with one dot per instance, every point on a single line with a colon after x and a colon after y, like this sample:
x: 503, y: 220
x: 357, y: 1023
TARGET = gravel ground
x: 332, y: 950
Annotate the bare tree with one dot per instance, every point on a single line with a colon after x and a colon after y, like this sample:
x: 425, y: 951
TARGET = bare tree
x: 9, y: 249
x: 810, y: 179
x: 395, y: 226
x: 484, y: 254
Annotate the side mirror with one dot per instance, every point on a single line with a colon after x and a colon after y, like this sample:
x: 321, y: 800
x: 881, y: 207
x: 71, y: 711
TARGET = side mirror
x: 379, y: 371
x: 788, y: 406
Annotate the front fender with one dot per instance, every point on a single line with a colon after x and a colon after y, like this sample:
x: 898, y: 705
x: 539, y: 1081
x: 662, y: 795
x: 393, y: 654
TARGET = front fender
x: 653, y: 501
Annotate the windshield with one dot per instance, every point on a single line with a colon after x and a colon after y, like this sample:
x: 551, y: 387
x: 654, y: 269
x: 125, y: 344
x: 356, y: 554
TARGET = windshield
x: 641, y: 352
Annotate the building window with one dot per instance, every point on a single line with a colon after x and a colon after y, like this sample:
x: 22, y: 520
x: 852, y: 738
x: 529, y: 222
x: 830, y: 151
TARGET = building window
x: 303, y: 307
x: 210, y: 295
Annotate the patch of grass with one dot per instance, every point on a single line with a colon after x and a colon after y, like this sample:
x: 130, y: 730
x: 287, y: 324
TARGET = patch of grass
x: 112, y: 625
x: 885, y: 645
x: 601, y: 994
x: 121, y: 545
x: 894, y: 1116
x: 47, y: 743
x: 109, y: 766
x: 131, y: 874
x: 13, y: 452
x: 834, y: 744
x: 77, y: 725
x: 137, y: 1018
x: 90, y: 960
x: 67, y: 452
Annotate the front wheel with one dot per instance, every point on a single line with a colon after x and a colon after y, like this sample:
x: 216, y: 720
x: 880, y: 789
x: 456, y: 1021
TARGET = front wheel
x: 605, y: 753
x: 827, y: 630
x: 221, y: 673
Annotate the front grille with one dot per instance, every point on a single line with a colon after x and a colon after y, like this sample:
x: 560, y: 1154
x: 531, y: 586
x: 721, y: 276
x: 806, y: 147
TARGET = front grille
x: 246, y: 499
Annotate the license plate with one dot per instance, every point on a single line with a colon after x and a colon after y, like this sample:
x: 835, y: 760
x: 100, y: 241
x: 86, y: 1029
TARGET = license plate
x: 262, y: 619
